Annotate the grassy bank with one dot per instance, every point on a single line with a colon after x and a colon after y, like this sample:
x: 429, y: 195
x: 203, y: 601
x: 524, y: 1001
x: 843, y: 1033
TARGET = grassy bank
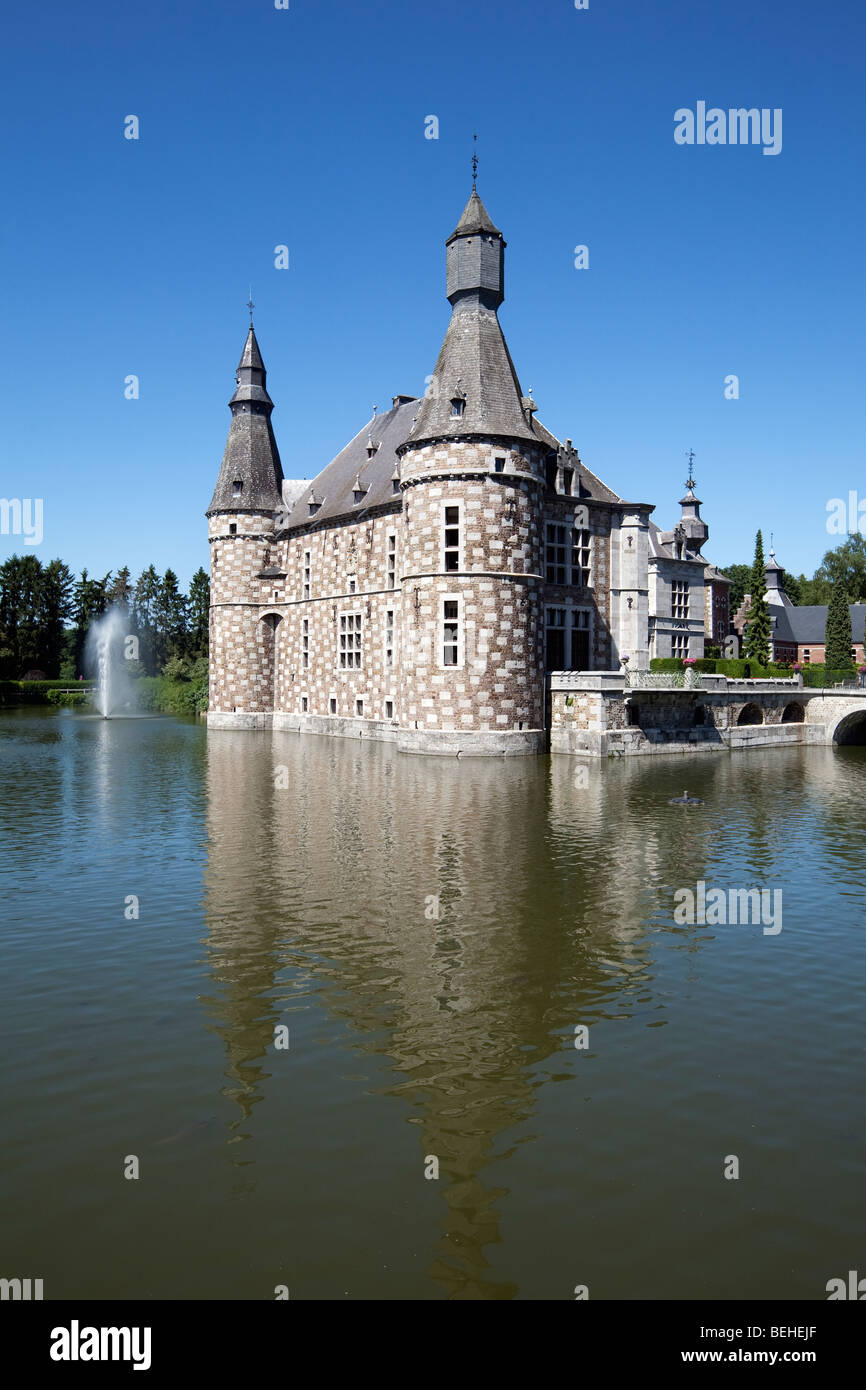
x: 182, y: 689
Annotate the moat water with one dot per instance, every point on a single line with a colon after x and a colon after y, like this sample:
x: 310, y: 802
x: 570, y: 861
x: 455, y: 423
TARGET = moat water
x: 291, y: 881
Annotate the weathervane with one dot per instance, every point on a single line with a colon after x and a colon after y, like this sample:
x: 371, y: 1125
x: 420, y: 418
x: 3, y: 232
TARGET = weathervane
x: 474, y: 162
x: 251, y: 305
x: 691, y: 458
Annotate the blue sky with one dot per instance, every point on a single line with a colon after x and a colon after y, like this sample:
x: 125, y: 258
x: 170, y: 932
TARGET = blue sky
x: 305, y: 127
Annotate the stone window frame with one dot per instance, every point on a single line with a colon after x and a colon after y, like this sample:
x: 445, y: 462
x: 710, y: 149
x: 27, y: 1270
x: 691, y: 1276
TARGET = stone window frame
x: 305, y: 644
x: 459, y: 645
x: 388, y: 641
x: 570, y: 612
x: 307, y: 574
x: 680, y: 644
x: 305, y: 704
x: 581, y: 543
x: 680, y: 599
x: 359, y: 706
x: 581, y: 610
x: 444, y: 506
x: 389, y: 709
x: 391, y: 560
x: 559, y: 563
x: 350, y: 641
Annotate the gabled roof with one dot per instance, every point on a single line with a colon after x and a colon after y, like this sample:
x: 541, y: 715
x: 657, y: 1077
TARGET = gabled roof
x: 661, y: 547
x: 808, y: 624
x: 334, y: 486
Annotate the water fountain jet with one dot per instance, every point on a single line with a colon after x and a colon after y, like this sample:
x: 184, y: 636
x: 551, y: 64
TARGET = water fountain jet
x: 105, y: 655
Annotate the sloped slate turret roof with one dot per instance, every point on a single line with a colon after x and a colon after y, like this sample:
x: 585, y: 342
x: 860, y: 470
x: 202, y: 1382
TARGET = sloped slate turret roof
x: 474, y: 362
x: 251, y: 456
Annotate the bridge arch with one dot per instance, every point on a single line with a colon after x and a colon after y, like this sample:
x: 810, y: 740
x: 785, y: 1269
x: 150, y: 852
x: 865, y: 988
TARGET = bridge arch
x: 851, y: 728
x: 750, y: 714
x: 793, y: 713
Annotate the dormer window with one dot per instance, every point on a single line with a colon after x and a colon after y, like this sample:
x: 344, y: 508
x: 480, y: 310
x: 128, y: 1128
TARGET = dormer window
x: 567, y: 479
x: 359, y: 494
x: 458, y: 405
x: 395, y: 485
x: 237, y: 487
x: 314, y: 507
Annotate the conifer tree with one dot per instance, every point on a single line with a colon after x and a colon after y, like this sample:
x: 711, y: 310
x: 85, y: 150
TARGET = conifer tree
x: 837, y: 636
x: 756, y: 646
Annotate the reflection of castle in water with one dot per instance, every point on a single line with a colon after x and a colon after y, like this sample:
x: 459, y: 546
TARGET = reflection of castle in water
x: 322, y: 894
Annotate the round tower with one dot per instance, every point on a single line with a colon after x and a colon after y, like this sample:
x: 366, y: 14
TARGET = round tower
x: 248, y: 493
x: 472, y: 473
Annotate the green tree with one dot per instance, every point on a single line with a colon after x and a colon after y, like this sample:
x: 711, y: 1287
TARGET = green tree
x: 120, y: 590
x: 20, y: 592
x: 55, y: 609
x: 791, y: 585
x: 837, y: 638
x: 846, y: 565
x: 143, y: 610
x: 198, y: 605
x: 89, y: 602
x: 170, y: 619
x: 742, y: 579
x: 756, y: 644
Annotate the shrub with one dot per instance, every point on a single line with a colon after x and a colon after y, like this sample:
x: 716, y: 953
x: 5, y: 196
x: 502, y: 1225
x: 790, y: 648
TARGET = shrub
x: 818, y: 674
x: 71, y: 699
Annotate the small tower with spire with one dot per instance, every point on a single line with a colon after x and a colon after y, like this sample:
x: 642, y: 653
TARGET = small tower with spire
x: 472, y: 472
x: 774, y: 577
x: 241, y: 514
x: 692, y: 525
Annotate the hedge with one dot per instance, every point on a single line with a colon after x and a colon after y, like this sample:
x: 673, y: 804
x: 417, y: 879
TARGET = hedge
x: 737, y: 670
x: 37, y: 692
x: 817, y: 675
x: 72, y: 699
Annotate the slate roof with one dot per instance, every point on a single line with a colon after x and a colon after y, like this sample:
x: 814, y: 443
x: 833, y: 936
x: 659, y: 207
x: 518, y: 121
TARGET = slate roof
x: 808, y: 624
x: 661, y: 546
x: 251, y: 455
x: 334, y: 487
x: 474, y: 362
x: 473, y: 219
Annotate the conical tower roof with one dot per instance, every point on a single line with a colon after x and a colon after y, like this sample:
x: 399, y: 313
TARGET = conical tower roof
x: 474, y: 388
x: 474, y: 218
x: 251, y: 475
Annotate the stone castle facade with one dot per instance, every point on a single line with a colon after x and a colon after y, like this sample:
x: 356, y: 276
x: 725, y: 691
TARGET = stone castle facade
x: 423, y: 586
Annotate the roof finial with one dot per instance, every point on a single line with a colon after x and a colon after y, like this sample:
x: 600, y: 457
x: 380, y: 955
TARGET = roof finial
x: 251, y: 305
x: 474, y: 162
x: 691, y: 480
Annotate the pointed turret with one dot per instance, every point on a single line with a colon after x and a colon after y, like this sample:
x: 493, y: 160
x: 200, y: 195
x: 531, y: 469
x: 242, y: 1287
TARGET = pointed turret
x: 474, y: 389
x: 774, y: 577
x: 251, y: 476
x: 692, y: 524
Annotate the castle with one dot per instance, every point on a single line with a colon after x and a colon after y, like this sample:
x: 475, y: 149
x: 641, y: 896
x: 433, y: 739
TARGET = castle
x: 423, y: 586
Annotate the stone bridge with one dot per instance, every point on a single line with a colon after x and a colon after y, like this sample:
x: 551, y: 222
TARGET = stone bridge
x: 604, y: 713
